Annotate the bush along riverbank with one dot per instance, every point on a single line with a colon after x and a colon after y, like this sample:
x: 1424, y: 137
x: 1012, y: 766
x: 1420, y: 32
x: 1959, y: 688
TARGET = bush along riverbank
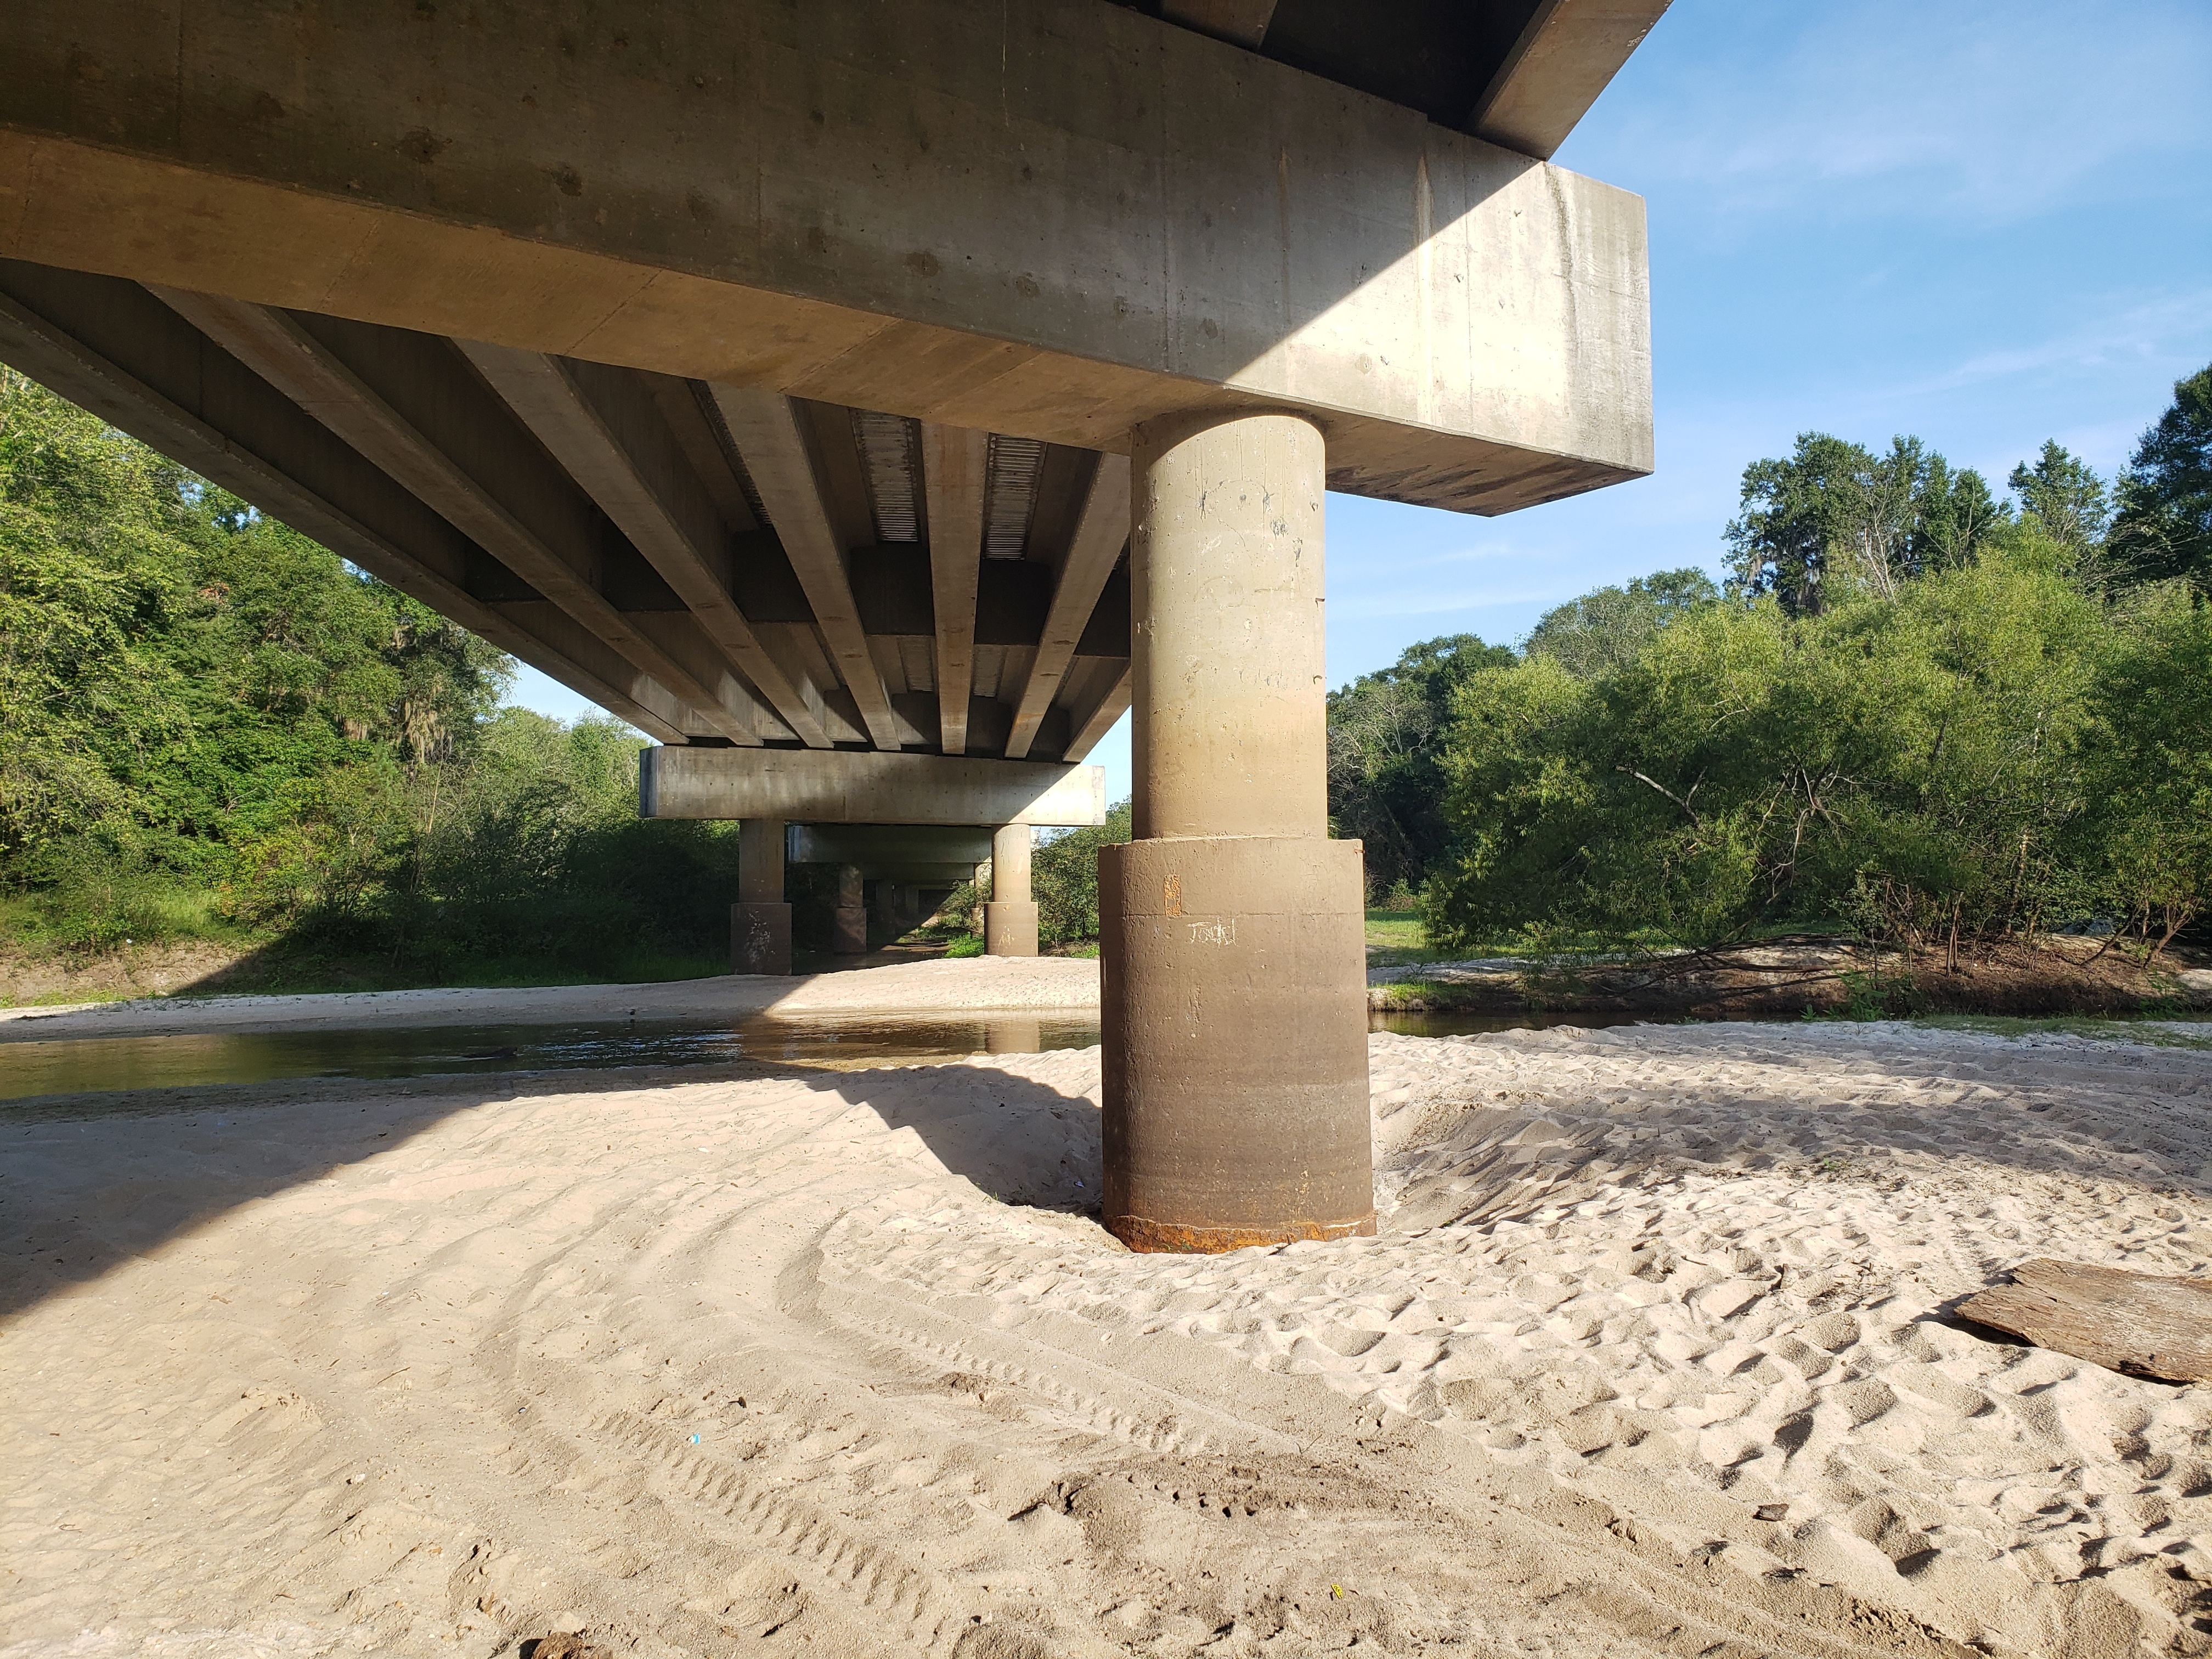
x: 229, y: 760
x: 1942, y: 726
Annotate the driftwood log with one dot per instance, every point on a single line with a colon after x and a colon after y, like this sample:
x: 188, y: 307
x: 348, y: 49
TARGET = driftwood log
x: 2138, y: 1324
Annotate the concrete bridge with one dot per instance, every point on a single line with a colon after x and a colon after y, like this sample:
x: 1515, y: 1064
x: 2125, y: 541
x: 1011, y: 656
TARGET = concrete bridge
x: 871, y: 402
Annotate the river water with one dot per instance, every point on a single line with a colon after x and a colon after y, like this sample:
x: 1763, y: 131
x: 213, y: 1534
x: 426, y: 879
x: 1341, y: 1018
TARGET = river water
x: 78, y: 1066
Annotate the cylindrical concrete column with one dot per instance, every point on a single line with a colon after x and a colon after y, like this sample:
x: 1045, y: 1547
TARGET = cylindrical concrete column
x: 760, y: 921
x: 1231, y: 728
x: 1009, y: 920
x: 1233, y: 986
x: 848, y: 922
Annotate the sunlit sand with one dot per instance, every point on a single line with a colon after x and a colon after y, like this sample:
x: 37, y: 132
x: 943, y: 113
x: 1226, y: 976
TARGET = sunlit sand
x: 1649, y: 1356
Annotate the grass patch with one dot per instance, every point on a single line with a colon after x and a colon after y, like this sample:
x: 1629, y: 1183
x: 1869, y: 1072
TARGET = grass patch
x: 1396, y: 930
x: 1433, y: 997
x: 1399, y: 939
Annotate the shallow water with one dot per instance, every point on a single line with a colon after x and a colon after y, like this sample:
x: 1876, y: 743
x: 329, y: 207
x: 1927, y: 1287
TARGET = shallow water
x: 77, y: 1066
x: 84, y: 1065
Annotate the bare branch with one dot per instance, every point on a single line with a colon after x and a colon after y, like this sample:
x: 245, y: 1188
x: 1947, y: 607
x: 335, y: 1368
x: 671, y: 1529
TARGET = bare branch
x: 1665, y: 791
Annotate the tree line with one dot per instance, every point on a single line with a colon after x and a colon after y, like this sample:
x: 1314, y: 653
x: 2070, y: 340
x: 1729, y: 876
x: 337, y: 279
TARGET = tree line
x: 1909, y: 709
x: 211, y: 726
x: 1908, y: 706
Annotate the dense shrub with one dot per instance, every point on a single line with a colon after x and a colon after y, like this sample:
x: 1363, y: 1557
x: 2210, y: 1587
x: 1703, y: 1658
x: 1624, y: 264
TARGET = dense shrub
x: 1917, y: 712
x: 1064, y: 878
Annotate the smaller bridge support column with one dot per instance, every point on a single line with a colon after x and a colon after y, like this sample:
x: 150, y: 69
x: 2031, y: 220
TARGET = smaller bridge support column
x: 760, y: 921
x: 848, y: 923
x: 1009, y: 920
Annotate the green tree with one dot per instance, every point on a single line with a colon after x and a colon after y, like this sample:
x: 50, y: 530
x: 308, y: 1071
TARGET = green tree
x: 1385, y: 741
x: 1832, y: 515
x: 1912, y: 764
x: 173, y: 664
x: 2150, y: 742
x: 208, y: 720
x: 1608, y: 628
x: 93, y: 536
x: 2065, y: 496
x: 2163, y: 529
x: 1063, y: 877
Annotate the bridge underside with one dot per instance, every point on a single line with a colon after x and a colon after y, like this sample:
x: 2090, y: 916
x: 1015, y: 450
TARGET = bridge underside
x: 872, y: 402
x: 717, y: 565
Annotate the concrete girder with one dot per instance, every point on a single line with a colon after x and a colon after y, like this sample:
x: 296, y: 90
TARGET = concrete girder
x: 1100, y: 718
x: 764, y: 427
x: 422, y: 412
x: 306, y: 370
x: 1100, y: 536
x: 839, y: 785
x: 604, y: 427
x: 687, y: 408
x: 1057, y: 222
x: 917, y: 873
x: 1563, y: 58
x: 1240, y: 22
x: 954, y: 460
x: 565, y: 650
x: 115, y: 350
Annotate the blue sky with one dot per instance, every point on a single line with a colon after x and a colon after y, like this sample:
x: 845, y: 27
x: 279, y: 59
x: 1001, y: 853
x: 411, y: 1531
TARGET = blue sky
x: 1986, y: 224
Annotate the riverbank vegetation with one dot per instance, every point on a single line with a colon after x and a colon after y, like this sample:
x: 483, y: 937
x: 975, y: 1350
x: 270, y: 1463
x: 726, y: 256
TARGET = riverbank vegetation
x: 1912, y: 713
x: 213, y: 729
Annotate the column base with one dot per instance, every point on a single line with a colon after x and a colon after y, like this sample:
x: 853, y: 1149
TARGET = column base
x: 1009, y: 929
x: 849, y: 931
x: 1234, y: 1007
x: 760, y: 939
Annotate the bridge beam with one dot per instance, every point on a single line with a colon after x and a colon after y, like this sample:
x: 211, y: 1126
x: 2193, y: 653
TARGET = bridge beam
x: 841, y: 786
x: 1057, y: 219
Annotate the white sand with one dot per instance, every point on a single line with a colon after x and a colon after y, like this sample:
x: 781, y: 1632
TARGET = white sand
x: 1644, y: 1361
x: 982, y: 984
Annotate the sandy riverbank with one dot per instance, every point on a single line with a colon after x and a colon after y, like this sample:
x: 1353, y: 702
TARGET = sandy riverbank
x: 1648, y: 1357
x: 920, y: 989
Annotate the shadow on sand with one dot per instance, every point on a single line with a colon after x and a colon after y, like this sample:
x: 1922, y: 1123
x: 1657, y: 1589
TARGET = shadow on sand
x: 77, y: 1197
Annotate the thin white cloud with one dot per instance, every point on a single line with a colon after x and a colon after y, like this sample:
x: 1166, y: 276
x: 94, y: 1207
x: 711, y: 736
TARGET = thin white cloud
x: 1973, y: 110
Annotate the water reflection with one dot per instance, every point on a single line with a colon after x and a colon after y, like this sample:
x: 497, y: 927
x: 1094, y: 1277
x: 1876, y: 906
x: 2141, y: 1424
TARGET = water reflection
x: 83, y: 1065
x: 124, y: 1064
